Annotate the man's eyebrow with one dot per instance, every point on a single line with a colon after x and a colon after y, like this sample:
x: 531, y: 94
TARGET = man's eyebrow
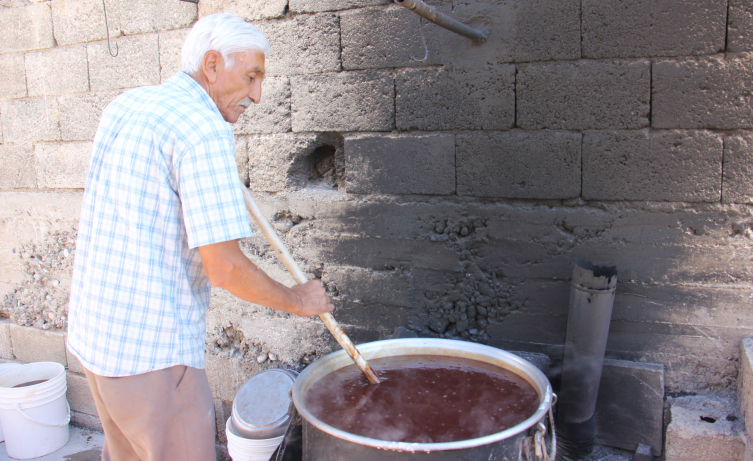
x: 257, y: 70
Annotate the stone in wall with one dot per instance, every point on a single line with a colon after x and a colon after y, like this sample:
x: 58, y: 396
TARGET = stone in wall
x: 740, y: 26
x: 305, y: 44
x: 314, y: 6
x: 18, y: 167
x: 642, y: 165
x: 737, y: 186
x: 379, y: 37
x: 241, y: 159
x: 437, y: 100
x: 26, y: 28
x: 13, y: 76
x: 143, y: 16
x: 518, y: 31
x: 400, y: 165
x: 80, y: 21
x: 170, y: 46
x: 30, y: 120
x: 80, y: 113
x: 585, y: 95
x: 247, y: 9
x: 62, y: 165
x: 540, y: 165
x: 139, y: 54
x: 294, y: 161
x: 57, y: 71
x: 346, y: 101
x: 640, y: 28
x: 272, y: 114
x: 709, y: 92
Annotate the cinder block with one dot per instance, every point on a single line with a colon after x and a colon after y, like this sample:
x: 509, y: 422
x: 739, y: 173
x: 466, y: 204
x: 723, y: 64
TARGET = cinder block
x: 247, y: 9
x: 80, y: 21
x: 630, y: 405
x: 277, y: 162
x: 315, y: 6
x: 705, y: 427
x: 143, y: 16
x: 6, y: 349
x: 518, y: 31
x: 709, y: 92
x: 74, y: 364
x: 534, y: 165
x: 26, y: 28
x: 381, y: 37
x: 437, y: 100
x: 62, y: 165
x: 305, y: 44
x: 737, y: 186
x: 745, y: 382
x: 35, y: 345
x: 18, y: 169
x: 586, y: 95
x: 139, y: 54
x: 80, y: 113
x: 640, y: 28
x: 30, y: 120
x: 540, y: 361
x: 57, y: 71
x: 343, y: 102
x: 13, y: 76
x: 682, y: 166
x: 79, y: 395
x: 400, y: 165
x: 170, y: 45
x: 740, y: 26
x: 272, y: 114
x: 241, y: 159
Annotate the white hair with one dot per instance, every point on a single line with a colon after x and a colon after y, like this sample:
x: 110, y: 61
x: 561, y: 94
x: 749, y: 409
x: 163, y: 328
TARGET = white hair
x: 223, y: 33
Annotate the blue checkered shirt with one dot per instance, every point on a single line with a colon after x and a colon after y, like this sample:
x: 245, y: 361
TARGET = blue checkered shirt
x: 162, y: 182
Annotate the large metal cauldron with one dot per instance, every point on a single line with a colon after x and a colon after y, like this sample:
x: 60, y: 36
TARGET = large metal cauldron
x: 322, y: 442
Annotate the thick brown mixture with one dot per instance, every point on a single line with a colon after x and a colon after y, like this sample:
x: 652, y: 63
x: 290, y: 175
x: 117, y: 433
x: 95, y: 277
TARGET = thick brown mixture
x: 424, y: 399
x: 30, y: 383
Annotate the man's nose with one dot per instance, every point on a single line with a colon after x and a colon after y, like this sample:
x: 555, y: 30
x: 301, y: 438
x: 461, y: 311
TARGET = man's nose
x: 255, y: 93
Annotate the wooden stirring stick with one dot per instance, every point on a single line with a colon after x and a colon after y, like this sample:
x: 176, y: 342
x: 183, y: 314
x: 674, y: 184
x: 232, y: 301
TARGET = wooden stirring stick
x: 300, y: 278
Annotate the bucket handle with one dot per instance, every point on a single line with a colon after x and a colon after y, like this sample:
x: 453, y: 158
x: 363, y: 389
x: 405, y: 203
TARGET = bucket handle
x: 540, y: 434
x: 65, y: 423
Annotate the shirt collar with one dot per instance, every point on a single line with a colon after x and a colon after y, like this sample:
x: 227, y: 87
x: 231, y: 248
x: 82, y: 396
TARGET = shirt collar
x: 192, y: 87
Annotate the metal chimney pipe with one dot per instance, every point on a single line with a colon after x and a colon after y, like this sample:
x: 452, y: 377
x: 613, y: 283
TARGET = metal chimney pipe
x: 442, y: 20
x: 591, y: 300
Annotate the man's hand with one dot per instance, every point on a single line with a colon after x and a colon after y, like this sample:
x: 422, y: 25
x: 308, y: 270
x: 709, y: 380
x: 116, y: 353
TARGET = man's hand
x: 314, y: 299
x: 226, y: 266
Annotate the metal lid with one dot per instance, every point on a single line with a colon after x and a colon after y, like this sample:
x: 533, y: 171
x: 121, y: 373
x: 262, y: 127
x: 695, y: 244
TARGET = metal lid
x: 260, y: 409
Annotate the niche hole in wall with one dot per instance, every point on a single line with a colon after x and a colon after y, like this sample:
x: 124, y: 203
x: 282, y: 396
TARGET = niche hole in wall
x: 322, y: 167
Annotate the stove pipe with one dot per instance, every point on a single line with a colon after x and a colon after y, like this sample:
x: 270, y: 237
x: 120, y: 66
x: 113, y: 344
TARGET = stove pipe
x: 591, y: 300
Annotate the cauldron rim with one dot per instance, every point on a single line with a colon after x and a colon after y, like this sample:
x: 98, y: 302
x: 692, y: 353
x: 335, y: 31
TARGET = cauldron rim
x: 428, y: 346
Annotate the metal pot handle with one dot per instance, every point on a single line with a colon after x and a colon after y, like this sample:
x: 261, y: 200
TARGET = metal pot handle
x: 539, y: 437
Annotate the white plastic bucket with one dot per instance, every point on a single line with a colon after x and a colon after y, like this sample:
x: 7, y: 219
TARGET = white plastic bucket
x: 34, y: 418
x: 241, y: 449
x: 3, y: 368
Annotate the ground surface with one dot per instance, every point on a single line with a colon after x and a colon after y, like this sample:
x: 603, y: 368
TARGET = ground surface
x: 84, y: 445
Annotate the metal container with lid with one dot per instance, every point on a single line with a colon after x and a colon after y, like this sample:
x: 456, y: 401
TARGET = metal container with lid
x: 261, y: 408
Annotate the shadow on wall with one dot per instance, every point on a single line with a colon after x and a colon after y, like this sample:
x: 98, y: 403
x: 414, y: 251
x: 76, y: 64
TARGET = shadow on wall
x: 499, y: 274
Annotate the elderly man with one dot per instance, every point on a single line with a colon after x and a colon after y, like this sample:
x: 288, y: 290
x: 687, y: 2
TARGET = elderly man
x: 161, y: 216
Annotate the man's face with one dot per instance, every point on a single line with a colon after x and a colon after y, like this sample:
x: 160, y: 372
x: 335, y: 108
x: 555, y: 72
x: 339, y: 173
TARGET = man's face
x: 240, y: 85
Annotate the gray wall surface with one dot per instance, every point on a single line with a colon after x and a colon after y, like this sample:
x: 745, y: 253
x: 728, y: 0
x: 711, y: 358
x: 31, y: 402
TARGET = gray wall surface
x: 449, y: 196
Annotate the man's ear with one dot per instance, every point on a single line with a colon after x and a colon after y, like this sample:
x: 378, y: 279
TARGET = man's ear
x: 209, y: 64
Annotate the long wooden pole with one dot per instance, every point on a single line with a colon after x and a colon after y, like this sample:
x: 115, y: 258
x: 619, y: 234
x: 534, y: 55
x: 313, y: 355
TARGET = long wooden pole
x: 300, y: 278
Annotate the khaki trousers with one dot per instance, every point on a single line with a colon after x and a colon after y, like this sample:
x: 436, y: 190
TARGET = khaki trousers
x: 163, y: 415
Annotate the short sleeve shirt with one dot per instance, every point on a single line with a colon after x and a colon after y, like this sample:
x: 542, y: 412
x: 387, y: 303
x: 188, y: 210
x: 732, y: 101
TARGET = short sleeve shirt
x: 163, y: 181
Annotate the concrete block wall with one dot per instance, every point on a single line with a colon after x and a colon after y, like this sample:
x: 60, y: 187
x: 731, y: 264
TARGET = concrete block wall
x: 448, y: 196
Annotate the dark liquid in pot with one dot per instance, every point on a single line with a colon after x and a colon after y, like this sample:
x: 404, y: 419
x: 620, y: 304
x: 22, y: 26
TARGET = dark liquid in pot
x: 30, y: 383
x: 423, y: 399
